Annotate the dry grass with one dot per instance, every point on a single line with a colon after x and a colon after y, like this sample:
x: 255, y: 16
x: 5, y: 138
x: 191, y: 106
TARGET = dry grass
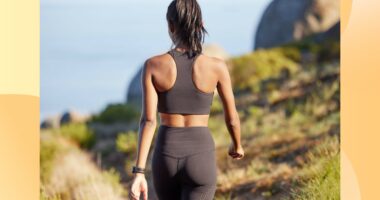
x: 74, y: 176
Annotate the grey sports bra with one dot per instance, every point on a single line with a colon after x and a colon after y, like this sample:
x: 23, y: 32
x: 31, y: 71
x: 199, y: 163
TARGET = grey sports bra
x: 184, y: 97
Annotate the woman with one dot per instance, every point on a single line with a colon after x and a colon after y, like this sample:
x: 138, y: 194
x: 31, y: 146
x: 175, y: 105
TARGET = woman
x: 180, y: 85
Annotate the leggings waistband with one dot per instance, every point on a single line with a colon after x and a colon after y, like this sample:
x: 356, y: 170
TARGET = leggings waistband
x: 162, y: 126
x: 183, y: 141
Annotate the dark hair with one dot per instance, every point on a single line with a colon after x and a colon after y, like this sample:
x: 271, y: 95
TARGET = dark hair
x: 186, y: 17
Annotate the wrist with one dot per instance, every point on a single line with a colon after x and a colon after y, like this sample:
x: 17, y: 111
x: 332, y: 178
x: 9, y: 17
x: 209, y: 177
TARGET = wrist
x: 237, y: 144
x: 138, y: 175
x: 138, y: 170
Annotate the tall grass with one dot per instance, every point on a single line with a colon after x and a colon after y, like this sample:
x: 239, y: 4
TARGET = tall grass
x: 323, y: 173
x: 68, y: 172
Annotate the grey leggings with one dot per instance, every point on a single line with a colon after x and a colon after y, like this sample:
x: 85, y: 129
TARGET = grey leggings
x: 183, y: 164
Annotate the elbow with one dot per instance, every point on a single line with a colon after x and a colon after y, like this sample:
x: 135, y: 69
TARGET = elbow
x: 234, y: 121
x: 146, y: 122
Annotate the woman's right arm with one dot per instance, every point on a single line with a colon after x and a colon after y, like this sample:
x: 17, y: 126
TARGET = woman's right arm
x: 231, y: 116
x: 146, y: 129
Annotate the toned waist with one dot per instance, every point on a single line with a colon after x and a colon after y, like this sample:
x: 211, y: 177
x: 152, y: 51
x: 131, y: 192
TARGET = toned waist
x: 180, y: 120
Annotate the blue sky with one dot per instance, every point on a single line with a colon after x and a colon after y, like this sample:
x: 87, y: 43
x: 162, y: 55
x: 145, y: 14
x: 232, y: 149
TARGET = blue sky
x: 90, y: 49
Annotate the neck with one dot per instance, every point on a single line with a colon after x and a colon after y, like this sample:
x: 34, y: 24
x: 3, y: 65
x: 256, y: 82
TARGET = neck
x: 181, y: 47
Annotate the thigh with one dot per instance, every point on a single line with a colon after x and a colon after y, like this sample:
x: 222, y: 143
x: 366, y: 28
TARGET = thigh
x: 164, y: 174
x: 199, y: 176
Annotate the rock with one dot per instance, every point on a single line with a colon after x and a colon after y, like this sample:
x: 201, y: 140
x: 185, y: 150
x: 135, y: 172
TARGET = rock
x: 50, y: 122
x: 72, y: 117
x: 333, y: 33
x: 60, y: 119
x: 134, y: 93
x: 134, y: 90
x: 289, y: 20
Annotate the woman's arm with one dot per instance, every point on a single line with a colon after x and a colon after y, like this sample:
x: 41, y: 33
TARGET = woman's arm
x: 146, y: 130
x: 231, y: 116
x: 148, y: 119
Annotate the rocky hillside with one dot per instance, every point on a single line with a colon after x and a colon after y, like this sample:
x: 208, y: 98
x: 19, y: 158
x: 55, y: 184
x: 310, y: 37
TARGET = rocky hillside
x: 288, y: 20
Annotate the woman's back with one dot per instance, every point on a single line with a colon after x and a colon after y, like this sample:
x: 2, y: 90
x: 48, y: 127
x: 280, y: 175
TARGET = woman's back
x: 185, y: 87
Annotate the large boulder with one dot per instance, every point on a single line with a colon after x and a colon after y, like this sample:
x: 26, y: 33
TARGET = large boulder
x: 134, y: 93
x: 134, y: 90
x: 289, y: 20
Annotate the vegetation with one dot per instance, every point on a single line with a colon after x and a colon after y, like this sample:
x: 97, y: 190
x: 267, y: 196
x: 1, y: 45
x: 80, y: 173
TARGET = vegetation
x: 288, y: 99
x: 127, y: 142
x: 68, y: 172
x: 250, y: 69
x: 325, y: 176
x: 117, y: 112
x: 78, y: 133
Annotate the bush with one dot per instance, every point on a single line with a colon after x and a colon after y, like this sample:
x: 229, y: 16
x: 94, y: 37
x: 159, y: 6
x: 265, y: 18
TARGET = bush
x: 250, y: 69
x: 79, y: 133
x: 113, y: 178
x: 127, y: 142
x: 48, y: 152
x: 217, y: 106
x: 117, y: 112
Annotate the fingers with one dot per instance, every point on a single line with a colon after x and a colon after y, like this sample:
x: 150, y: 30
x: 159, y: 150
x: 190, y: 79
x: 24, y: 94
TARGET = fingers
x: 236, y: 156
x: 133, y: 196
x: 145, y: 195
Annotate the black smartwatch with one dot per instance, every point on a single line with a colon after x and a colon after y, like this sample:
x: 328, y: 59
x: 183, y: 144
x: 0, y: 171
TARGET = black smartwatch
x: 136, y: 169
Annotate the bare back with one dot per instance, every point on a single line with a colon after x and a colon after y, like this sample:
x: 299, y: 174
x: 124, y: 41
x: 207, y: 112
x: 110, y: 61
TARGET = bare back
x: 205, y: 76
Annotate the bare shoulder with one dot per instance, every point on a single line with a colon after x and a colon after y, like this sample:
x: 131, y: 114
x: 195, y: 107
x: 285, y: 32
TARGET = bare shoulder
x: 156, y: 62
x: 218, y: 65
x: 214, y: 62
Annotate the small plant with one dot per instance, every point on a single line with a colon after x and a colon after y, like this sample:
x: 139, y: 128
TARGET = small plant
x: 251, y: 69
x: 48, y: 152
x: 324, y: 172
x: 117, y: 112
x: 127, y: 142
x: 79, y: 133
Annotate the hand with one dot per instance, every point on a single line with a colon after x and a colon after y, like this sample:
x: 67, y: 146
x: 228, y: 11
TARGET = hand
x: 139, y: 185
x: 236, y: 152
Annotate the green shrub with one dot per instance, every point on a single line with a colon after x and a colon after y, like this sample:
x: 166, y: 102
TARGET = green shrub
x: 112, y: 176
x: 127, y: 142
x: 217, y: 106
x: 79, y: 133
x: 48, y: 153
x: 118, y: 112
x: 250, y: 69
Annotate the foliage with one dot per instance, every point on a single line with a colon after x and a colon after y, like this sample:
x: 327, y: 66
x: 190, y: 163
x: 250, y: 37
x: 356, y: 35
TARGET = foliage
x: 117, y: 112
x: 72, y: 174
x: 113, y: 178
x: 127, y: 142
x: 48, y: 153
x: 79, y: 133
x: 250, y: 69
x: 325, y: 181
x: 216, y: 106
